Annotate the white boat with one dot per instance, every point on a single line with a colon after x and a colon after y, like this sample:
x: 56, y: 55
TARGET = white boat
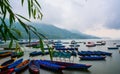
x: 90, y: 44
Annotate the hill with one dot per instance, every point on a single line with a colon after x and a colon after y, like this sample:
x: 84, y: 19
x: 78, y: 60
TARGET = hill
x: 53, y: 32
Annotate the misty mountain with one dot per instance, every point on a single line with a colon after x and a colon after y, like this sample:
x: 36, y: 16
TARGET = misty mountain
x: 53, y: 32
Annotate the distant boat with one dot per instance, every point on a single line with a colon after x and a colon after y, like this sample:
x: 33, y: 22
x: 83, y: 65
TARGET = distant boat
x: 90, y: 44
x: 73, y: 42
x: 117, y: 45
x: 113, y: 48
x: 92, y: 57
x: 58, y: 44
x: 74, y: 45
x: 98, y: 53
x: 1, y: 42
x: 100, y: 43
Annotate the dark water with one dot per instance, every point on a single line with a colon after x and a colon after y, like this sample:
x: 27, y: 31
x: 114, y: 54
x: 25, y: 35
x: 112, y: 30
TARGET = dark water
x: 109, y: 66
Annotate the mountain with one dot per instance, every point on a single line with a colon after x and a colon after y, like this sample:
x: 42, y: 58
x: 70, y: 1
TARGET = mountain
x: 53, y: 32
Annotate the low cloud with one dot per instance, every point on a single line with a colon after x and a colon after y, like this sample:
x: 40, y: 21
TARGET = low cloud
x: 113, y: 16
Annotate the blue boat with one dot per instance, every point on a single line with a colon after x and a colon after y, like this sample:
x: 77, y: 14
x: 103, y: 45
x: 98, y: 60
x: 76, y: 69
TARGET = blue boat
x: 73, y: 53
x: 71, y: 65
x: 65, y: 48
x: 113, y: 48
x: 102, y: 53
x: 98, y: 53
x: 14, y: 64
x: 22, y: 66
x: 50, y: 66
x: 35, y: 53
x: 4, y: 65
x: 118, y: 45
x: 34, y: 67
x: 92, y: 57
x: 58, y: 45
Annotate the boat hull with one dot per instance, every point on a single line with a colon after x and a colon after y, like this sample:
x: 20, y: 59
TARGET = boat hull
x: 22, y: 66
x: 34, y: 67
x: 92, y: 57
x: 71, y: 65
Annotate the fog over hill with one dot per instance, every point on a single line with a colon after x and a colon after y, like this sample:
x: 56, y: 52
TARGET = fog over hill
x: 53, y: 32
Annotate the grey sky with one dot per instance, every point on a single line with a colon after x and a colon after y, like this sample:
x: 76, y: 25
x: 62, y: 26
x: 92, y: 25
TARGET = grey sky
x: 95, y: 17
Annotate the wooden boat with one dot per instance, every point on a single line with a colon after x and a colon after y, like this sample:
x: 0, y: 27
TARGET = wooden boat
x: 50, y: 66
x: 98, y: 53
x: 100, y: 43
x: 35, y: 53
x: 71, y: 65
x: 2, y: 52
x: 58, y: 44
x: 5, y: 65
x: 118, y: 45
x: 102, y: 53
x: 22, y: 66
x: 7, y: 48
x: 1, y: 42
x: 90, y: 44
x: 92, y: 57
x: 5, y: 54
x: 73, y: 53
x: 34, y: 67
x: 9, y: 71
x: 113, y: 48
x: 14, y: 64
x: 74, y: 45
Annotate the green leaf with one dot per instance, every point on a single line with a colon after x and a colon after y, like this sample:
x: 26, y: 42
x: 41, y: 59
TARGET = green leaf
x: 11, y: 35
x: 29, y: 34
x: 17, y: 31
x: 10, y: 19
x: 32, y: 27
x: 50, y: 52
x: 23, y: 25
x: 37, y: 3
x: 11, y: 42
x: 29, y: 8
x: 4, y: 14
x: 41, y: 44
x: 22, y: 1
x: 2, y: 33
x: 23, y: 18
x: 34, y: 13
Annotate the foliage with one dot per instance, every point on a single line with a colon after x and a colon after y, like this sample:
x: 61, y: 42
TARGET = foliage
x: 8, y: 31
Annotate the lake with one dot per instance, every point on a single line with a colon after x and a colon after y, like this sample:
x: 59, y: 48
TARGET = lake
x: 111, y: 65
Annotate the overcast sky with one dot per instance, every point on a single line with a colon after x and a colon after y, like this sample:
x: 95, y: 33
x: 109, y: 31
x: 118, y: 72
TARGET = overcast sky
x: 94, y: 17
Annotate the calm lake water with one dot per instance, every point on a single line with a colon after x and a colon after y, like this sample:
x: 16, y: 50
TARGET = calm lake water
x: 109, y: 66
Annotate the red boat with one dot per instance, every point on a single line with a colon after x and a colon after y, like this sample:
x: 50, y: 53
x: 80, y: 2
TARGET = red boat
x: 34, y: 67
x: 9, y: 71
